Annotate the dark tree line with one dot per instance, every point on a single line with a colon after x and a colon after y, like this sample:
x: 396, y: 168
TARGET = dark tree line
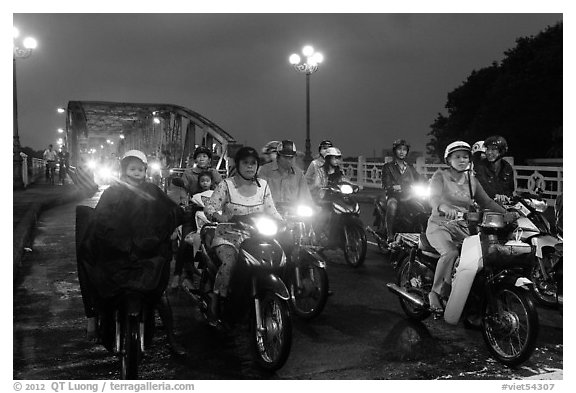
x: 520, y: 99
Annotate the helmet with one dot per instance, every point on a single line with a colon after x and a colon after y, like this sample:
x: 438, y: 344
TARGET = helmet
x: 499, y: 142
x: 286, y: 148
x: 135, y: 153
x: 245, y: 152
x: 333, y: 151
x: 324, y: 144
x: 399, y: 142
x: 478, y: 147
x: 270, y: 147
x: 456, y: 146
x: 202, y: 149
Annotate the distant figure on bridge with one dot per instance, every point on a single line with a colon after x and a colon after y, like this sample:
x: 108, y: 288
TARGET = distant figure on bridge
x: 317, y: 162
x: 64, y: 162
x: 495, y: 174
x: 50, y: 156
x: 127, y: 246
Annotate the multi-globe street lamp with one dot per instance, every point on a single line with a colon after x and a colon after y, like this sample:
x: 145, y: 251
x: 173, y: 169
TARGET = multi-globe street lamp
x: 21, y: 50
x: 308, y: 66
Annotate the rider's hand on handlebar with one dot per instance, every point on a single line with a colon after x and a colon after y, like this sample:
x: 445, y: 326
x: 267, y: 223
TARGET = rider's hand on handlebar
x: 397, y: 187
x: 501, y: 199
x: 449, y: 212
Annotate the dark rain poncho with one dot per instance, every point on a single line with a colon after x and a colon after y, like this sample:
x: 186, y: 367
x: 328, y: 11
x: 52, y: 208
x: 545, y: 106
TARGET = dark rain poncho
x: 127, y: 242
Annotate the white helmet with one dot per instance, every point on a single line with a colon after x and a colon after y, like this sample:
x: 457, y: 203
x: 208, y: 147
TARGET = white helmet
x: 136, y: 153
x: 478, y: 147
x: 456, y: 146
x: 333, y: 151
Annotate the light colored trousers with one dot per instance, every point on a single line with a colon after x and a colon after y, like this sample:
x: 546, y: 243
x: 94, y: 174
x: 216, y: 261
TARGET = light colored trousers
x: 445, y: 237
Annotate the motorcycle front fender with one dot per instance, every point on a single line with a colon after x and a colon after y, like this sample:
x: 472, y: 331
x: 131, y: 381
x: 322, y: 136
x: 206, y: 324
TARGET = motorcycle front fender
x: 312, y: 256
x: 542, y: 241
x: 273, y: 283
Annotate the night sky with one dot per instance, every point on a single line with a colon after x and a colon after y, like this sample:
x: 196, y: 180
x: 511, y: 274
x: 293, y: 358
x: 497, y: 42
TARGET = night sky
x: 384, y: 75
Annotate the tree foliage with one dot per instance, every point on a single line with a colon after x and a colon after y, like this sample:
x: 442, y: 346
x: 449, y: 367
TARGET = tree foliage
x: 520, y: 99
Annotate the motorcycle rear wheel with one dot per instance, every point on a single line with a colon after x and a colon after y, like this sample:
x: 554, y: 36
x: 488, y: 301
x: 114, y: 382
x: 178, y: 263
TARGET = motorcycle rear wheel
x: 355, y: 243
x: 130, y: 351
x: 510, y: 331
x: 309, y: 300
x: 271, y: 345
x: 409, y: 280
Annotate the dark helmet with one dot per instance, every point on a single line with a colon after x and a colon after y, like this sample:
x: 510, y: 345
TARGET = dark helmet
x: 245, y: 152
x: 399, y: 142
x: 324, y: 144
x: 499, y: 142
x: 202, y: 149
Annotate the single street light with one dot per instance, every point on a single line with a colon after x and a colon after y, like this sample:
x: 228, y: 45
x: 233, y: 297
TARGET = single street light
x: 22, y: 52
x: 309, y: 66
x: 60, y: 130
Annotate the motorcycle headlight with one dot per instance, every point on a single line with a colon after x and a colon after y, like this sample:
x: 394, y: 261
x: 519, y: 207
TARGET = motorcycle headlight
x: 304, y: 211
x: 538, y: 205
x: 91, y: 164
x: 421, y: 191
x: 346, y: 189
x: 155, y: 166
x: 266, y: 226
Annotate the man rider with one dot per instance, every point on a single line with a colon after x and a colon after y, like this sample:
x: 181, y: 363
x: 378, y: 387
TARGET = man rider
x: 286, y: 181
x: 397, y: 177
x: 495, y: 174
x: 317, y: 162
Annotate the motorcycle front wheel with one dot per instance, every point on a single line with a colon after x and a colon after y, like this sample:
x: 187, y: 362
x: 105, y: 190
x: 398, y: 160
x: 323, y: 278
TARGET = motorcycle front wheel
x: 130, y: 350
x: 308, y: 300
x: 272, y: 342
x: 412, y: 281
x: 355, y: 243
x: 511, y: 329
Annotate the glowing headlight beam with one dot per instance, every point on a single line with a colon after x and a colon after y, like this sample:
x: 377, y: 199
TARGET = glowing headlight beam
x: 266, y: 226
x: 346, y: 189
x: 304, y: 211
x: 421, y: 191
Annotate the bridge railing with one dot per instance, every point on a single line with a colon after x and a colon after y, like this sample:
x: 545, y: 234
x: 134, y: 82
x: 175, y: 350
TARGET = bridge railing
x: 527, y: 177
x: 32, y: 169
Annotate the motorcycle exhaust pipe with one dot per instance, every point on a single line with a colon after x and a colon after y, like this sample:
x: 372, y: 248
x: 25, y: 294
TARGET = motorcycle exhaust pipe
x: 408, y: 296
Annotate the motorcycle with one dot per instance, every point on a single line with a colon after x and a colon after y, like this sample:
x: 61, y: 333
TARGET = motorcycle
x: 305, y: 271
x: 490, y: 282
x: 412, y: 215
x: 341, y: 226
x: 256, y: 288
x: 534, y: 228
x: 125, y: 322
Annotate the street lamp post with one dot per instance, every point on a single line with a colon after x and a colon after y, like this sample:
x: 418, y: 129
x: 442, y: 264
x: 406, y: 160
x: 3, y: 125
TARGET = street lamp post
x: 21, y: 52
x: 309, y: 66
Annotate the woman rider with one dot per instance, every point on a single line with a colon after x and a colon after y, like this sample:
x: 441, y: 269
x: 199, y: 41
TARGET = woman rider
x: 242, y: 194
x: 452, y: 190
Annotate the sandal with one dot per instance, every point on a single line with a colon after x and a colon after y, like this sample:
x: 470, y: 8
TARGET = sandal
x: 435, y: 303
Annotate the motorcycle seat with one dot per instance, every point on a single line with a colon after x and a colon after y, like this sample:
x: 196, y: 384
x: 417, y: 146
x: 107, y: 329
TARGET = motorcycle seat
x: 426, y: 248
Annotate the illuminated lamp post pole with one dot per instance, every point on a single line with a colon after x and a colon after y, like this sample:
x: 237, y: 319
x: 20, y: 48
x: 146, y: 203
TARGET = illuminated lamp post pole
x: 28, y: 44
x: 309, y: 66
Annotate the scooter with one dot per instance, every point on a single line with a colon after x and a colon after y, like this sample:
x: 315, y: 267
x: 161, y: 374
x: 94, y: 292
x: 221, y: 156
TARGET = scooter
x: 257, y: 290
x: 305, y: 271
x: 412, y: 215
x: 490, y: 282
x: 534, y: 228
x: 125, y: 322
x: 341, y: 226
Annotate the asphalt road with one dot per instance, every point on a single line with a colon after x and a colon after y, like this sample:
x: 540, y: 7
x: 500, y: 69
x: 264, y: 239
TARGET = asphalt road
x: 362, y: 333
